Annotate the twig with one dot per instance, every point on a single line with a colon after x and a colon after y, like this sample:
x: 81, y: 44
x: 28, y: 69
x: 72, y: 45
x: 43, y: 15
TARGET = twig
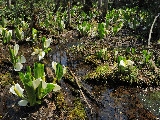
x: 79, y: 86
x: 149, y: 39
x: 156, y: 69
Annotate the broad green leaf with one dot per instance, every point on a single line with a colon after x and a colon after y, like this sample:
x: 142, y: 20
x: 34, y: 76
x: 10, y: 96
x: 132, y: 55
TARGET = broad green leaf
x: 27, y: 82
x: 30, y: 94
x: 115, y: 29
x: 49, y: 88
x: 59, y: 71
x: 4, y: 22
x: 4, y: 40
x: 119, y: 59
x: 18, y: 34
x: 38, y: 70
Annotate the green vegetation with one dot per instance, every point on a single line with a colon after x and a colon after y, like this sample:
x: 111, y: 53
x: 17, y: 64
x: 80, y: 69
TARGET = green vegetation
x: 35, y: 84
x: 131, y: 66
x: 39, y: 23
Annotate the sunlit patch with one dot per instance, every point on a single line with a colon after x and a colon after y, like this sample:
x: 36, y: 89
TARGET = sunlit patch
x: 151, y: 101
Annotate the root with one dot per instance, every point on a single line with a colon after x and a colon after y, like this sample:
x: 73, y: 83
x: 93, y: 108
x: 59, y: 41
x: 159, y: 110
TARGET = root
x: 80, y: 89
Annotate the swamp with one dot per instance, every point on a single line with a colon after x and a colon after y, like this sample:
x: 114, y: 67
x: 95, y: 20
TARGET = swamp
x: 79, y: 60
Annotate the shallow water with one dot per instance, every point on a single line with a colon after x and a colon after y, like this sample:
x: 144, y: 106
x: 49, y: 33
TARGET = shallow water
x: 107, y: 103
x: 114, y: 103
x: 109, y: 109
x: 151, y: 101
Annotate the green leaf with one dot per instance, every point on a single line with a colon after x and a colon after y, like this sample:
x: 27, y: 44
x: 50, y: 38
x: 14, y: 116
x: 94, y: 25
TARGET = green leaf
x: 107, y: 24
x: 4, y: 34
x: 101, y: 30
x: 38, y: 70
x: 115, y: 29
x: 27, y: 82
x: 47, y: 50
x: 4, y: 40
x: 4, y: 22
x: 12, y: 55
x: 133, y: 50
x: 18, y: 34
x: 48, y: 89
x: 9, y: 37
x: 43, y: 39
x: 30, y: 94
x: 119, y: 59
x: 34, y: 34
x: 59, y: 71
x: 25, y: 78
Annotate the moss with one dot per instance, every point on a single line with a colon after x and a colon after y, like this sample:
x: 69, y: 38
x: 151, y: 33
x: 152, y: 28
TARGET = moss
x: 78, y: 113
x: 5, y: 79
x: 60, y: 101
x: 72, y: 112
x: 92, y: 59
x: 100, y: 71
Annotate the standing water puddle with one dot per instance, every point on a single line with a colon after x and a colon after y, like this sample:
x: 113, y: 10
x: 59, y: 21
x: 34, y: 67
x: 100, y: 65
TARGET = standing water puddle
x: 119, y: 103
x: 151, y: 101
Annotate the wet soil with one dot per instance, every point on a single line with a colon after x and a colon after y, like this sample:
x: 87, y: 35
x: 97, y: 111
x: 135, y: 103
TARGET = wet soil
x: 105, y: 101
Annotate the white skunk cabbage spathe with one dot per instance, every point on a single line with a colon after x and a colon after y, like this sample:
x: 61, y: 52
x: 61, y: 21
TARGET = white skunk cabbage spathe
x: 126, y: 63
x: 23, y: 103
x: 40, y: 53
x: 16, y: 48
x: 56, y: 87
x: 47, y: 43
x: 54, y: 64
x: 17, y: 90
x: 37, y: 82
x: 18, y: 66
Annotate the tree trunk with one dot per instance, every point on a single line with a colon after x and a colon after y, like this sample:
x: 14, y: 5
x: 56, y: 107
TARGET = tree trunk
x: 99, y: 4
x: 8, y: 3
x: 69, y: 13
x: 105, y: 7
x: 83, y: 2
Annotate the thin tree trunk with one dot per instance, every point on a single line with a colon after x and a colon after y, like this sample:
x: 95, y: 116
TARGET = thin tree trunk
x: 105, y: 7
x: 32, y: 22
x: 69, y: 13
x: 84, y: 2
x: 99, y: 4
x: 8, y: 3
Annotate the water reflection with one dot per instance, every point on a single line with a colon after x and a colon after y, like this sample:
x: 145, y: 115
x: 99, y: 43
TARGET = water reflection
x: 113, y: 103
x: 110, y: 109
x: 151, y: 101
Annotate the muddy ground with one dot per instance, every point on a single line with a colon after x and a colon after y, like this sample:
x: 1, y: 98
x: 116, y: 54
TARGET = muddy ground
x: 105, y: 101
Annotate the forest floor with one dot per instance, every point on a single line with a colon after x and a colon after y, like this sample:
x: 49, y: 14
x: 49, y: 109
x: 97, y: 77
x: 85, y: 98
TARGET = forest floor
x: 69, y: 103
